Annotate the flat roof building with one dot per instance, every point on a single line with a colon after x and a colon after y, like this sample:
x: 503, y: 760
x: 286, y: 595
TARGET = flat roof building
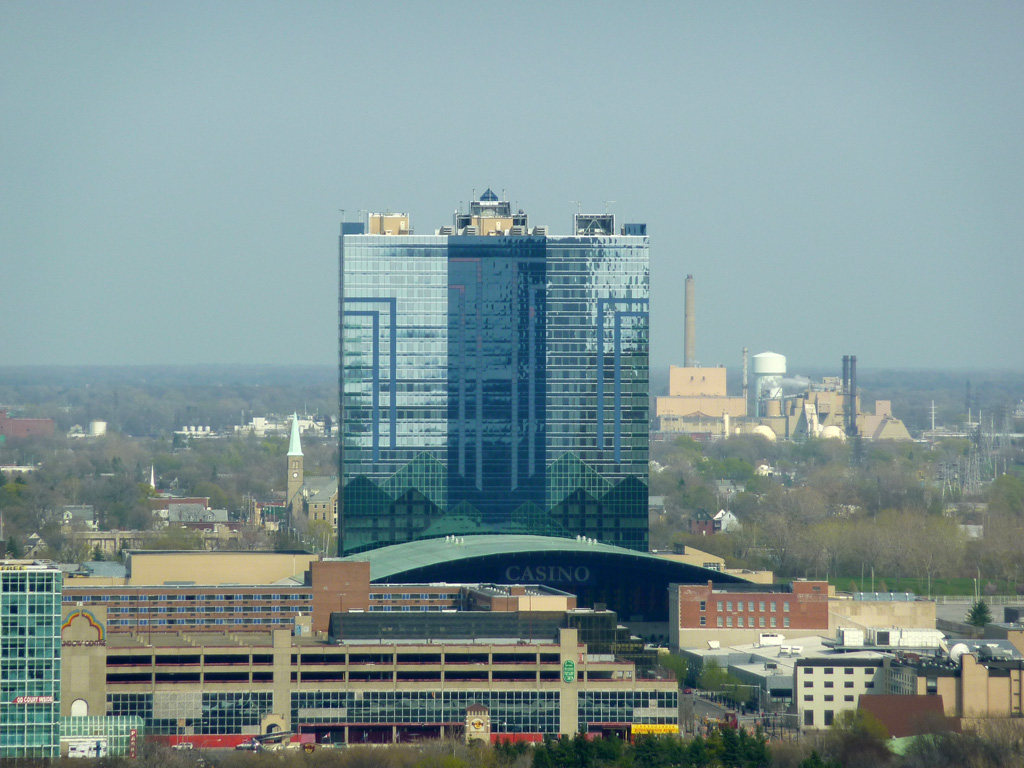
x: 217, y: 689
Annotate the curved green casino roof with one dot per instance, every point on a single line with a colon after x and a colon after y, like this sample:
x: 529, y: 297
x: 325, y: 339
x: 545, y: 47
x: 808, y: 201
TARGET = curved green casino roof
x: 399, y: 558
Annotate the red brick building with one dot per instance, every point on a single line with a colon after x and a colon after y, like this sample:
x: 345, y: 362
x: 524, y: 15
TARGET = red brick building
x: 702, y: 523
x: 740, y: 613
x: 21, y: 428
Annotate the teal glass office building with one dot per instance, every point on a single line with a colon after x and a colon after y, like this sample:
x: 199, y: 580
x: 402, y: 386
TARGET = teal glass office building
x: 30, y: 605
x: 493, y: 383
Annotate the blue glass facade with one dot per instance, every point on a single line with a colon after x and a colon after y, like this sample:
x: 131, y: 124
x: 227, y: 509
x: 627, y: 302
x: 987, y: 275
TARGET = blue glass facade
x: 493, y: 384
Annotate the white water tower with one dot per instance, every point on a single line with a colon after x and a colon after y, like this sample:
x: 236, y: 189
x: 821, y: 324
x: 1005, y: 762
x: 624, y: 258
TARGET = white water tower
x: 769, y: 368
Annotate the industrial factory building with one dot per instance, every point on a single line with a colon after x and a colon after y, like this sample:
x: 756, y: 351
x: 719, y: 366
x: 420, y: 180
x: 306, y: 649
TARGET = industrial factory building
x: 698, y: 403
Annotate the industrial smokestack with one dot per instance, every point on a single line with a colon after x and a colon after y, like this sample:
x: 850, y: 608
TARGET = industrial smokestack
x: 746, y: 400
x: 689, y: 329
x: 851, y: 408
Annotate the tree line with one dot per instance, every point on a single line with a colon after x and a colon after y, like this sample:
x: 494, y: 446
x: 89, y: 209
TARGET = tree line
x: 831, y: 509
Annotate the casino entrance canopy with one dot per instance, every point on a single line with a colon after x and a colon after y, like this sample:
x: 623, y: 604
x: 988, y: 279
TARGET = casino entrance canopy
x: 633, y: 584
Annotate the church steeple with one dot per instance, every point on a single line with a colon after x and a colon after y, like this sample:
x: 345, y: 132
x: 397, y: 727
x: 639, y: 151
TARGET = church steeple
x: 295, y: 444
x: 295, y: 474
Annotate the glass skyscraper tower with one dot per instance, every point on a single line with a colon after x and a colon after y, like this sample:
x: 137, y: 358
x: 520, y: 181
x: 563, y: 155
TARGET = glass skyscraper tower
x: 494, y: 379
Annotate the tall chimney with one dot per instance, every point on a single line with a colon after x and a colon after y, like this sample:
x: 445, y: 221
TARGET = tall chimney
x: 746, y: 401
x: 851, y: 409
x: 689, y: 329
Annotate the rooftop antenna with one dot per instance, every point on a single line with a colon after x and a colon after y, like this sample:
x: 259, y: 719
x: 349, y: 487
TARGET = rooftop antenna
x: 606, y: 204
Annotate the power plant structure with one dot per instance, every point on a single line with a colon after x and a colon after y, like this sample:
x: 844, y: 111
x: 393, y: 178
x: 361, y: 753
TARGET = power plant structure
x: 698, y: 404
x: 697, y: 400
x: 769, y: 370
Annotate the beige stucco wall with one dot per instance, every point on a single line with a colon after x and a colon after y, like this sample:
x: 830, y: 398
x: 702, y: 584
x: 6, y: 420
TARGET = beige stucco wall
x: 974, y: 691
x: 84, y: 670
x: 282, y: 676
x: 668, y: 407
x: 698, y: 638
x: 696, y: 382
x: 528, y: 603
x: 754, y: 577
x: 381, y: 223
x: 948, y: 688
x: 212, y: 568
x: 568, y: 699
x: 919, y: 614
x: 693, y: 556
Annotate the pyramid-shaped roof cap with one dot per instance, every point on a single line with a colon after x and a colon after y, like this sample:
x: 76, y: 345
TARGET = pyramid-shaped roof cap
x: 294, y: 444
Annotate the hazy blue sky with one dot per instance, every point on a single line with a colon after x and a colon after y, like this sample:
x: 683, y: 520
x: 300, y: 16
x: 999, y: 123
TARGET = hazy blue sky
x: 839, y: 177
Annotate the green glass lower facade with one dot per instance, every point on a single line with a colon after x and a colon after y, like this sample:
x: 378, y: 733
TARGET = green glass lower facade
x: 510, y: 711
x: 194, y: 712
x: 633, y: 707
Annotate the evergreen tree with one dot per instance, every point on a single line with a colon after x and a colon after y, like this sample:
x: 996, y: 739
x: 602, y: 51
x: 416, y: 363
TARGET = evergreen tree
x: 542, y: 755
x: 815, y: 761
x: 979, y: 615
x: 732, y: 752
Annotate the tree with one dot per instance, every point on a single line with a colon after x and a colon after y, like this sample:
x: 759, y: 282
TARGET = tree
x: 322, y: 537
x: 676, y: 664
x: 858, y: 738
x: 97, y: 554
x: 815, y: 761
x: 712, y: 677
x: 13, y: 550
x: 176, y: 538
x: 1007, y: 495
x: 979, y: 615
